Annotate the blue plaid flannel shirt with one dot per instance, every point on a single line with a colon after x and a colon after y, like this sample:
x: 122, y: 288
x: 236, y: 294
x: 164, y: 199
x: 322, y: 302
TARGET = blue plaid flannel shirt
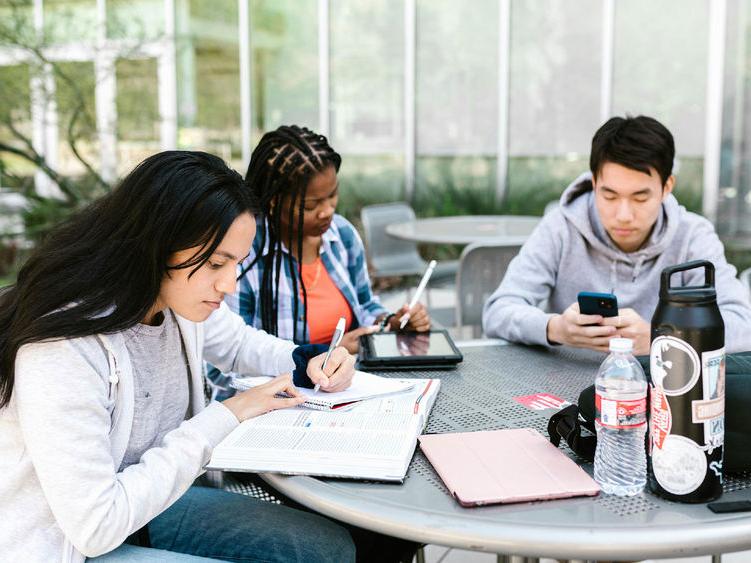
x: 343, y: 256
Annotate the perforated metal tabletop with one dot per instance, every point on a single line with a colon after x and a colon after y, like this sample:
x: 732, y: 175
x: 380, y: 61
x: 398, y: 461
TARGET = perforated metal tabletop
x: 478, y: 396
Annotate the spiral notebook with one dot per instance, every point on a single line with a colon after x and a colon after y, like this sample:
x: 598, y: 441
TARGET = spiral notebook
x: 364, y: 386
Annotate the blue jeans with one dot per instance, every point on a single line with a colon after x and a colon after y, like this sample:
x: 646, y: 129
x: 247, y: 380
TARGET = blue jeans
x: 216, y: 524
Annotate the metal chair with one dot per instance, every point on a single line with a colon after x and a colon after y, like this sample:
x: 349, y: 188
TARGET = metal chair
x: 481, y: 269
x: 391, y: 257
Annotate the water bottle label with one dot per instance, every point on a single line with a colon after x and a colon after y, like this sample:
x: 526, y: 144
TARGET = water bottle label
x: 711, y: 410
x: 621, y: 414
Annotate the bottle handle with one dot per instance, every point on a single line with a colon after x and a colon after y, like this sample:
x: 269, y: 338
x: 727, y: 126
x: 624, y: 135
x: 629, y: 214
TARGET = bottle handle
x: 668, y: 272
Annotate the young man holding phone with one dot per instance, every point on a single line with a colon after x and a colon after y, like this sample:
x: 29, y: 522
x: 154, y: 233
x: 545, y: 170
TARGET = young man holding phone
x: 614, y: 231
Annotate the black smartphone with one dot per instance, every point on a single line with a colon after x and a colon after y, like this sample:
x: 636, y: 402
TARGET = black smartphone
x: 603, y: 304
x: 730, y: 506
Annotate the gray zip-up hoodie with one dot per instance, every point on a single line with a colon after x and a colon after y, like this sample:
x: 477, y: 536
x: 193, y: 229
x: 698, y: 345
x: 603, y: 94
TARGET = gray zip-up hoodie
x: 68, y: 424
x: 570, y: 251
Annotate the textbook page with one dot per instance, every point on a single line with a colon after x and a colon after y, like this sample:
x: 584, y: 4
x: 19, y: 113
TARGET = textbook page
x: 374, y: 440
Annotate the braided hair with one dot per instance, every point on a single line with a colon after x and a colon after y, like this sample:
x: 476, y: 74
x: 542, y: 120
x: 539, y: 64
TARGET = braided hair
x: 281, y: 168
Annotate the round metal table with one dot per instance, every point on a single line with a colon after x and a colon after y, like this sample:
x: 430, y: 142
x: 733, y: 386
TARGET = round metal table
x: 478, y: 396
x: 511, y: 230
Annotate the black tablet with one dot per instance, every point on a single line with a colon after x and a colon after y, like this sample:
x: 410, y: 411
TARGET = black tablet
x: 408, y: 350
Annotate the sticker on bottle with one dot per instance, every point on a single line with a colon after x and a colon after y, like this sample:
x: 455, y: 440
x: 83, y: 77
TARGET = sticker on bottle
x: 661, y: 419
x: 620, y: 414
x: 674, y: 365
x: 680, y: 466
x: 711, y: 410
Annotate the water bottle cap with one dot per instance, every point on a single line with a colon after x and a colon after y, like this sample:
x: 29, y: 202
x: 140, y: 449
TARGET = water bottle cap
x: 621, y: 345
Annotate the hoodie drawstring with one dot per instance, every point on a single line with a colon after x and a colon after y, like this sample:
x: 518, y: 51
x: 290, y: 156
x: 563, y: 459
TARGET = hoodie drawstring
x: 637, y: 268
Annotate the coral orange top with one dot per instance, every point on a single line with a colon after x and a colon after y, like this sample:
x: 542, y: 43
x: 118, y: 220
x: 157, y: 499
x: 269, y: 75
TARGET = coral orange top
x: 326, y: 303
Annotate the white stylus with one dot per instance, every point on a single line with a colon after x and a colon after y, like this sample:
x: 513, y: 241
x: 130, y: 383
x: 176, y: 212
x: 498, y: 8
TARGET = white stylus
x: 416, y: 297
x: 335, y: 340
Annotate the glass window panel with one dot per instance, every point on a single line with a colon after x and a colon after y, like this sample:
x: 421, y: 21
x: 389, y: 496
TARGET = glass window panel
x: 660, y: 66
x: 15, y: 113
x: 77, y: 138
x: 455, y: 185
x: 137, y: 112
x: 535, y: 181
x: 208, y: 71
x: 16, y: 22
x: 366, y: 179
x: 284, y: 43
x: 68, y: 21
x: 136, y: 19
x: 734, y: 204
x: 457, y: 77
x: 554, y: 97
x: 367, y: 75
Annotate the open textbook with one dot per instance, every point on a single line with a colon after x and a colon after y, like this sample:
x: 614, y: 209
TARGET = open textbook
x: 373, y: 440
x: 364, y: 386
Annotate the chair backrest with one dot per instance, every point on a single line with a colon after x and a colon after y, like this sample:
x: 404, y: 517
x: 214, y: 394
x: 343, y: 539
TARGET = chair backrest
x: 481, y: 269
x: 745, y: 277
x: 386, y: 254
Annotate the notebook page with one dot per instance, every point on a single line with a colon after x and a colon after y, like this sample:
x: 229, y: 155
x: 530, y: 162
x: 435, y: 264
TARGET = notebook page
x: 364, y: 386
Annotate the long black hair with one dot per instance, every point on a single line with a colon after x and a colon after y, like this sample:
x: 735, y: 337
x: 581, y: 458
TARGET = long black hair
x: 101, y: 270
x: 280, y: 169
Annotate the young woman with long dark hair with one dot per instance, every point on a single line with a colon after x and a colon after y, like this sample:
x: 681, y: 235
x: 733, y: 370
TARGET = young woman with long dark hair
x: 103, y: 428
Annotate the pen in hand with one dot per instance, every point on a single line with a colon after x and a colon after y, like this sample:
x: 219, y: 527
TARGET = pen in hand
x: 416, y: 297
x: 335, y: 340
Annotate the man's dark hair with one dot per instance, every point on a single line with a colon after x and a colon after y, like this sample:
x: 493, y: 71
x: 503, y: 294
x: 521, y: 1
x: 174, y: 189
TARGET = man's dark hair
x: 639, y: 143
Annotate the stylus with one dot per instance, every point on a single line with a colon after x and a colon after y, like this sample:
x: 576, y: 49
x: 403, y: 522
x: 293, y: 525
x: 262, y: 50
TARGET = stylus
x: 335, y: 340
x: 416, y: 297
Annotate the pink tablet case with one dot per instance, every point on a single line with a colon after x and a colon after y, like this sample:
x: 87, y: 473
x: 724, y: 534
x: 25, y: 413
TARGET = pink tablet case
x: 502, y: 466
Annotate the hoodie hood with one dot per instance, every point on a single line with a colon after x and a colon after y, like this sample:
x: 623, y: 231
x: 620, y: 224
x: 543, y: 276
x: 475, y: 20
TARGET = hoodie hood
x: 577, y: 205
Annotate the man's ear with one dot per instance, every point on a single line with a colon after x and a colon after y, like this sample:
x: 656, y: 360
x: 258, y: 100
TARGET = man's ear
x: 667, y: 189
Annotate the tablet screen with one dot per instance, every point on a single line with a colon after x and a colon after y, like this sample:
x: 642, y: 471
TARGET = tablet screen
x: 389, y: 344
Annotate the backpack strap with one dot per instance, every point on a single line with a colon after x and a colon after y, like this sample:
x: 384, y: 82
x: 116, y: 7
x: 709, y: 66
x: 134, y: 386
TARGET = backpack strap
x: 566, y: 424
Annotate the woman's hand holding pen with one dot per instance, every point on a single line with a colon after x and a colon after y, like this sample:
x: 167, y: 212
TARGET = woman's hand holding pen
x: 263, y: 399
x: 337, y: 375
x: 419, y: 319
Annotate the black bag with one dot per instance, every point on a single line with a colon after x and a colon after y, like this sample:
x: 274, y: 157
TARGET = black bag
x: 567, y: 423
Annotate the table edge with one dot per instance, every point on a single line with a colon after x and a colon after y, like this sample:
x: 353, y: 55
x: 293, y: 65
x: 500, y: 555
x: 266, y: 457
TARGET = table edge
x: 570, y: 542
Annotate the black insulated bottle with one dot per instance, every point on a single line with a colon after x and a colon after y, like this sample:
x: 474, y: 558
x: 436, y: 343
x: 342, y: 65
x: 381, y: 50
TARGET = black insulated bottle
x: 687, y: 392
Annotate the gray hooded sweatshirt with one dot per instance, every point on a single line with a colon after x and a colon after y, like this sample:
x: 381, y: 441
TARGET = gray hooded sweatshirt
x: 570, y: 251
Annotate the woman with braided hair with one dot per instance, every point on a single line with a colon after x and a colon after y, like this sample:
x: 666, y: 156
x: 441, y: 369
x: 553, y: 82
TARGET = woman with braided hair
x: 307, y: 267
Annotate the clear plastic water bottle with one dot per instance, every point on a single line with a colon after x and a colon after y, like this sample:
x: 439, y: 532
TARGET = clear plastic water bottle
x: 621, y: 421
